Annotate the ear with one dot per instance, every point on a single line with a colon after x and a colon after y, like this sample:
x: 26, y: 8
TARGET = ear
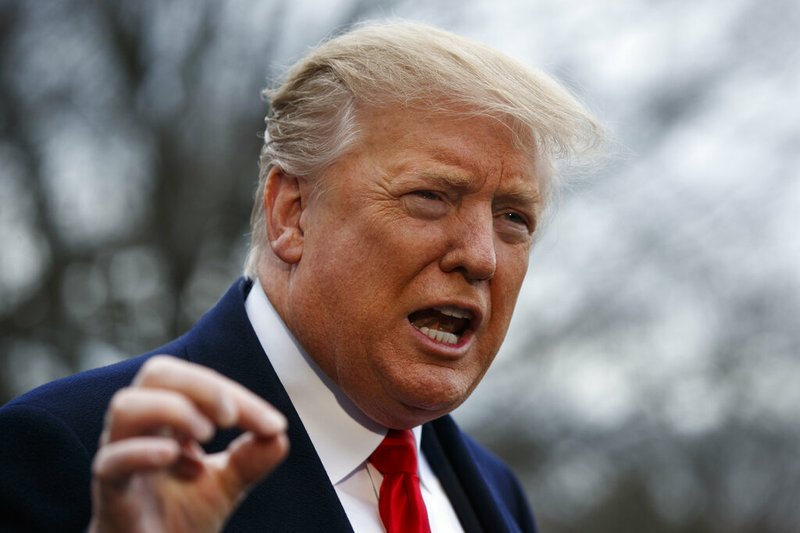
x: 283, y: 206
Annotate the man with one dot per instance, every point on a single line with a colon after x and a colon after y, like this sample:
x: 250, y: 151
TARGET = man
x: 403, y: 176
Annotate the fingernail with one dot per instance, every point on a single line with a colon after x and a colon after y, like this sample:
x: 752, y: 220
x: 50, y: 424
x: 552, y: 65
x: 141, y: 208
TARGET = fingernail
x: 162, y: 453
x: 227, y: 414
x: 202, y: 429
x: 273, y: 421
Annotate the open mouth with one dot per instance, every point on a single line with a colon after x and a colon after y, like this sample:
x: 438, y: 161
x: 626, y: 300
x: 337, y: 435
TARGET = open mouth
x: 446, y: 324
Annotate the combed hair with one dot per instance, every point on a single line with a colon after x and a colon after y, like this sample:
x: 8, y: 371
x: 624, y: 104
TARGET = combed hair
x: 313, y: 118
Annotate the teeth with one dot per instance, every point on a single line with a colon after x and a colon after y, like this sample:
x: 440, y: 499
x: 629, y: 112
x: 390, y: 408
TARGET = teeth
x: 441, y: 336
x: 454, y: 312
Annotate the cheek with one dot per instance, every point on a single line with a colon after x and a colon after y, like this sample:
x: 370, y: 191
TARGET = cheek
x: 506, y: 286
x: 355, y: 282
x: 394, y: 256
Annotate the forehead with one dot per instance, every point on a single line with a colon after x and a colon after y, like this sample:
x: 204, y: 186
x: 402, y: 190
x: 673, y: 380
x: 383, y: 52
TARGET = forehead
x: 462, y: 148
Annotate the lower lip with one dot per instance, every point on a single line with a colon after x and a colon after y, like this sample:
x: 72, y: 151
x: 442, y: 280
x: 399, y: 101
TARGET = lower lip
x: 449, y: 350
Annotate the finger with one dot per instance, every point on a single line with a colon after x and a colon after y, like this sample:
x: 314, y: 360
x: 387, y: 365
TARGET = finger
x: 138, y: 411
x: 249, y: 459
x: 224, y: 401
x: 115, y: 463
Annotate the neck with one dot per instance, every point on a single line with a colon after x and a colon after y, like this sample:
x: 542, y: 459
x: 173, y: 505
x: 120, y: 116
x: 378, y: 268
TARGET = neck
x: 274, y: 276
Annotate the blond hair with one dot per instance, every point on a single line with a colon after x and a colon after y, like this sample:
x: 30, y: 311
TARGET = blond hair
x: 313, y: 117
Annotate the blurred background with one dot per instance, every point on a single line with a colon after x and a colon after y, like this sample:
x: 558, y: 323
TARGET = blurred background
x: 651, y: 377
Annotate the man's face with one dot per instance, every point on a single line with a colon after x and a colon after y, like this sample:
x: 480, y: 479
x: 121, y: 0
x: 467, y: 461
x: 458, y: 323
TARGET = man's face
x: 412, y: 260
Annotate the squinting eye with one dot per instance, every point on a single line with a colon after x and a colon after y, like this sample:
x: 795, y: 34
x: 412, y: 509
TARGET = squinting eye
x: 428, y: 195
x: 514, y: 227
x: 516, y: 218
x: 425, y: 204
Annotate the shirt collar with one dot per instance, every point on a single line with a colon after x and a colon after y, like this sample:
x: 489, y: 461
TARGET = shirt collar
x: 343, y: 436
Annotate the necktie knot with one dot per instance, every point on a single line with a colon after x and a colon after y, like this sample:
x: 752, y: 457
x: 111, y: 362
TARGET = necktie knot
x: 397, y: 454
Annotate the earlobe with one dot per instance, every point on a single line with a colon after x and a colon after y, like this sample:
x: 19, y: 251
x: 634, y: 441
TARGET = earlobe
x: 283, y: 206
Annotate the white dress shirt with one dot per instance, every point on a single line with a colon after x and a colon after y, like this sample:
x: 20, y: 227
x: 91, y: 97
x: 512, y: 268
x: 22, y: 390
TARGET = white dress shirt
x: 342, y: 435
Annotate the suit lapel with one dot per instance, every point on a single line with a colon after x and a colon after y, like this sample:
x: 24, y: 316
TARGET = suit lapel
x: 298, y: 495
x: 437, y: 458
x: 475, y: 503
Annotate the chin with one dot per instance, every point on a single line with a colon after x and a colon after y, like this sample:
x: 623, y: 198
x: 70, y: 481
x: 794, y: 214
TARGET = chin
x: 426, y: 403
x: 404, y: 396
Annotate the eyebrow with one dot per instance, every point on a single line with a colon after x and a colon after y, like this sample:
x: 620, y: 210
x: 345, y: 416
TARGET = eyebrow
x: 460, y: 182
x: 451, y: 180
x: 524, y: 196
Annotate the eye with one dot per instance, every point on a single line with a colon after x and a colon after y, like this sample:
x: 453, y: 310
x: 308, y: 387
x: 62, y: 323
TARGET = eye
x: 516, y: 218
x: 428, y: 195
x: 426, y: 204
x: 514, y: 226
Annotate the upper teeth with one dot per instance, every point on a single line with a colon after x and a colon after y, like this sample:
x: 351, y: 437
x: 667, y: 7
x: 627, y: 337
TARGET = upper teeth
x: 454, y: 311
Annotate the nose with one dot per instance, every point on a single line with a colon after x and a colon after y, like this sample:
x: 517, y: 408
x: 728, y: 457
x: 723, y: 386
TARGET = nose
x: 471, y: 248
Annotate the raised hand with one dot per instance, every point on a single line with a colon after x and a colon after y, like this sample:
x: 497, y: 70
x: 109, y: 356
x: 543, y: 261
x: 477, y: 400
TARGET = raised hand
x: 150, y: 473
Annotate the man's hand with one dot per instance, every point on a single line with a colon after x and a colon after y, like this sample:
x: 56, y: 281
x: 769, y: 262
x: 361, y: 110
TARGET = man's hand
x: 150, y: 473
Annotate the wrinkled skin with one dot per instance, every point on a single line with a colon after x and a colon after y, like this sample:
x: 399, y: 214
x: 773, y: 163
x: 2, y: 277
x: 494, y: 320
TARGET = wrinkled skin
x: 427, y: 211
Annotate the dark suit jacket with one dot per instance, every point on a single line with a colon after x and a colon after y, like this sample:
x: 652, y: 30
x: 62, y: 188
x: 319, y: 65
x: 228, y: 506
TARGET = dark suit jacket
x: 49, y: 436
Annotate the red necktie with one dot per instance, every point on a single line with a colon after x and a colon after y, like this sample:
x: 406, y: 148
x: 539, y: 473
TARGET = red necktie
x: 400, y: 501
